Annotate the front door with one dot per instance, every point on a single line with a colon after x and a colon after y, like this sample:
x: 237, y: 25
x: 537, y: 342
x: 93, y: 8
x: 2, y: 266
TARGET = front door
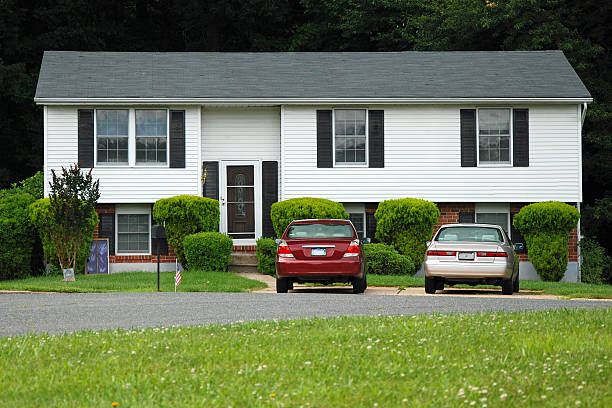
x: 239, y: 201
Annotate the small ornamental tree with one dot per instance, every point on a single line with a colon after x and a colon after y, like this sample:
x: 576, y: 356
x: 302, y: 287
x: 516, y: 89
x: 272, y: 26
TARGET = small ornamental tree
x: 546, y: 228
x: 283, y: 212
x: 184, y: 215
x: 73, y: 197
x: 407, y: 224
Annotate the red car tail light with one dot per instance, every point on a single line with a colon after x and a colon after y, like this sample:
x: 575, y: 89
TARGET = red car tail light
x: 284, y: 251
x: 441, y: 253
x: 491, y: 254
x: 353, y: 249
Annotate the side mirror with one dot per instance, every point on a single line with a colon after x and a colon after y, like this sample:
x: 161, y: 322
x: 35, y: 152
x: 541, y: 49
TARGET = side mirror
x: 519, y: 246
x: 278, y: 241
x: 366, y: 240
x: 428, y: 243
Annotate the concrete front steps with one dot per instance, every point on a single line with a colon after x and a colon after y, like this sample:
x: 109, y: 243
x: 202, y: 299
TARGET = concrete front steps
x: 243, y: 262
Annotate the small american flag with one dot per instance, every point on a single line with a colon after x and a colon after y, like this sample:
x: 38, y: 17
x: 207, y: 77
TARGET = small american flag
x: 177, y: 277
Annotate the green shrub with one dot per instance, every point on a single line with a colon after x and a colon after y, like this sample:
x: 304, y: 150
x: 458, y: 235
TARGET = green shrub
x: 407, y: 224
x: 41, y: 217
x: 596, y: 266
x: 185, y: 215
x: 266, y: 256
x: 17, y: 236
x: 283, y: 212
x: 33, y: 186
x: 208, y: 251
x: 383, y: 259
x: 546, y: 227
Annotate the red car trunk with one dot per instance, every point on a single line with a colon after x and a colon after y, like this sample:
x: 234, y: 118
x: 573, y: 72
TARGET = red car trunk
x: 303, y: 248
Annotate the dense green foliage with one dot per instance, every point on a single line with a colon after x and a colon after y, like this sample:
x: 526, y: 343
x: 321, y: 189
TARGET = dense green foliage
x: 383, y: 259
x: 553, y: 358
x: 596, y: 266
x: 407, y: 224
x: 546, y: 227
x: 185, y: 215
x: 208, y: 251
x: 283, y: 212
x: 266, y: 256
x: 41, y: 218
x: 17, y: 236
x: 33, y: 186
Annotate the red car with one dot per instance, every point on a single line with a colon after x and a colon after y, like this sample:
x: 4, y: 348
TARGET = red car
x: 322, y: 251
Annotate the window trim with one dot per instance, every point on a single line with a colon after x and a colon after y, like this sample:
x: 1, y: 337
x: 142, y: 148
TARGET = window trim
x: 95, y: 126
x: 131, y: 210
x: 367, y: 139
x: 147, y: 164
x: 131, y: 139
x: 511, y: 146
x: 494, y: 208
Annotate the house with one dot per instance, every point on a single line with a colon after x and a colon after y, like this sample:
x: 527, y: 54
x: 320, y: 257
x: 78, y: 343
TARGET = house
x: 479, y: 133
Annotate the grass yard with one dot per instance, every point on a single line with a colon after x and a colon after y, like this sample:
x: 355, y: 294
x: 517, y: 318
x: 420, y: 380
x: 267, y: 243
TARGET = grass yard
x: 556, y: 358
x: 569, y: 290
x: 192, y: 281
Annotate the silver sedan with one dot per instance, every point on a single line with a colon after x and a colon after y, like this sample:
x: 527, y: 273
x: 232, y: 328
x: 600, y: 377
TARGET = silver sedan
x: 473, y: 254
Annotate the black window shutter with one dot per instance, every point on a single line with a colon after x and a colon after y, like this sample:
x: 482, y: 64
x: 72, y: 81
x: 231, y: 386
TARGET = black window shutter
x: 520, y: 153
x: 106, y: 229
x: 468, y: 137
x: 516, y: 236
x: 269, y: 183
x: 376, y: 134
x: 86, y: 137
x: 211, y: 185
x: 177, y: 139
x: 466, y: 217
x: 371, y: 227
x: 324, y: 139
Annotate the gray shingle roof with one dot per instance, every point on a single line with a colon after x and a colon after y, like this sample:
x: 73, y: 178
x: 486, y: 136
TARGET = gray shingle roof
x: 458, y: 74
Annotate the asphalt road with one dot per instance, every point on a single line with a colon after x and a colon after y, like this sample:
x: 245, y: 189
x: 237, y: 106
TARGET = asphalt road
x: 59, y: 313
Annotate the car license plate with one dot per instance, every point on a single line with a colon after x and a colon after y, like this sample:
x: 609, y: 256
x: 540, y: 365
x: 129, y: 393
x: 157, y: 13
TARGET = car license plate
x: 318, y: 252
x: 466, y: 256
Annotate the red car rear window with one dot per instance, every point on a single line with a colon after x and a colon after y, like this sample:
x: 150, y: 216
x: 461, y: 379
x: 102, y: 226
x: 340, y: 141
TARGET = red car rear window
x: 320, y: 230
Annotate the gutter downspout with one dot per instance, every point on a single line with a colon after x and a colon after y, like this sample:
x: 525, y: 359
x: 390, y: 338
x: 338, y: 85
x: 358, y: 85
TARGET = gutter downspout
x: 584, y: 111
x: 578, y: 248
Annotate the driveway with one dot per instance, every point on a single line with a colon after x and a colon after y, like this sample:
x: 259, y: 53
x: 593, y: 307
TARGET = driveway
x: 22, y: 313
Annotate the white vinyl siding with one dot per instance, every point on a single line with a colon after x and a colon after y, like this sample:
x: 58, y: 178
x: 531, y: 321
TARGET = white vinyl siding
x: 125, y: 184
x: 423, y: 159
x: 245, y: 133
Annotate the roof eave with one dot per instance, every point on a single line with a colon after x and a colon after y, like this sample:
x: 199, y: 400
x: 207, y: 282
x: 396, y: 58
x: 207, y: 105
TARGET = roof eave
x: 297, y: 101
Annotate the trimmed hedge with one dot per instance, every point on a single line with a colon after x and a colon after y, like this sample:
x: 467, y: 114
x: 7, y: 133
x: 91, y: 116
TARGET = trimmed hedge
x: 33, y: 186
x: 17, y: 236
x: 266, y: 255
x: 185, y: 215
x: 546, y: 227
x: 283, y: 212
x: 383, y: 259
x: 208, y: 250
x: 41, y: 217
x: 596, y: 266
x: 407, y: 224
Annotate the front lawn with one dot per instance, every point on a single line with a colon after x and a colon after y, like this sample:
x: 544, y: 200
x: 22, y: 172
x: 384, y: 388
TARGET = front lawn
x: 192, y: 281
x: 569, y: 290
x: 554, y: 358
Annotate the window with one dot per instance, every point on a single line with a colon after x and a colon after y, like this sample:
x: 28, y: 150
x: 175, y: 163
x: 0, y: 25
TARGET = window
x: 151, y: 136
x: 350, y: 136
x: 112, y: 136
x: 494, y: 134
x: 133, y: 233
x: 501, y: 219
x: 469, y: 234
x: 320, y: 230
x: 358, y: 220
